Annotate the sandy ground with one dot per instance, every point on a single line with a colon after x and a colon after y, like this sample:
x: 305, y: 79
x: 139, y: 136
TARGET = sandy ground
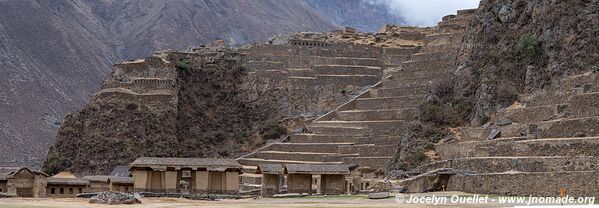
x: 312, y: 201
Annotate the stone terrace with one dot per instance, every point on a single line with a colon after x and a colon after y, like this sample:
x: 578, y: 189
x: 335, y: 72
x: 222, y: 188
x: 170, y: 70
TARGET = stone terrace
x: 549, y: 140
x: 320, y: 75
x: 364, y: 131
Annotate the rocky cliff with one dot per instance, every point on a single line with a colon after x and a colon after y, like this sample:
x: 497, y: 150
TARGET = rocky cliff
x: 179, y: 104
x: 519, y: 46
x: 510, y: 48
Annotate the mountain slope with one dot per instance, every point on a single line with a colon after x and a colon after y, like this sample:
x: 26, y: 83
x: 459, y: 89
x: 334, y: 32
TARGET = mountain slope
x: 54, y: 54
x: 51, y: 59
x: 364, y: 15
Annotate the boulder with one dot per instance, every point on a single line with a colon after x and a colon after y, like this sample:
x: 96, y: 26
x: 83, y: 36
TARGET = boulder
x: 378, y: 195
x: 113, y: 198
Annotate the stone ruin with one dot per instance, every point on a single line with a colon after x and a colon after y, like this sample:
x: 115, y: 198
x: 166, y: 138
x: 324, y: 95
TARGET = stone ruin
x: 365, y: 130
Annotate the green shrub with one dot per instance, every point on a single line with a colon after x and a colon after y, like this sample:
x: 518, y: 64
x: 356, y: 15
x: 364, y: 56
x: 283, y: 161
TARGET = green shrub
x: 274, y: 132
x: 184, y: 66
x: 239, y: 137
x: 420, y: 157
x: 530, y: 45
x: 239, y: 67
x: 595, y: 67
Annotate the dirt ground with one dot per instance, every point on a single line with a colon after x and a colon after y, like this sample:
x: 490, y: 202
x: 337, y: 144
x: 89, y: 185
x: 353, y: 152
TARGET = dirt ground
x: 312, y: 201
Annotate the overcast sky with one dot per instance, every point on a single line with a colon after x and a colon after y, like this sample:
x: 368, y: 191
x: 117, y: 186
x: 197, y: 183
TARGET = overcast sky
x: 425, y: 12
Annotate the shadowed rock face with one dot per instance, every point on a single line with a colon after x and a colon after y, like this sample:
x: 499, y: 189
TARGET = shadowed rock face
x: 54, y: 54
x: 493, y: 68
x: 153, y: 108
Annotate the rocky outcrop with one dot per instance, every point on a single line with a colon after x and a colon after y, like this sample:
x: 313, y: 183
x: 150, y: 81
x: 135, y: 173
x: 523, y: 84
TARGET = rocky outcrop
x: 174, y: 104
x: 55, y: 54
x: 519, y: 46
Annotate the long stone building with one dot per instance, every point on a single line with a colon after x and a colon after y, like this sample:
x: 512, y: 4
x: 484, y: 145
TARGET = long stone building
x: 186, y: 175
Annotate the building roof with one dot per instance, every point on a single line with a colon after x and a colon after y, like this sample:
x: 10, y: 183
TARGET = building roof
x: 64, y: 174
x: 120, y: 180
x: 9, y: 172
x: 316, y: 169
x: 270, y: 169
x: 68, y: 181
x: 97, y: 178
x: 109, y: 179
x: 121, y: 171
x: 217, y: 164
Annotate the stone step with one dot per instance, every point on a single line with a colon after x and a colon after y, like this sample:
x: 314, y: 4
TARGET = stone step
x: 544, y: 98
x: 369, y: 150
x: 250, y: 178
x: 306, y: 147
x: 450, y: 47
x: 305, y: 61
x: 401, y: 51
x: 513, y: 130
x: 585, y: 146
x: 431, y: 56
x: 267, y: 57
x: 440, y: 70
x: 428, y: 64
x: 389, y: 102
x: 568, y: 127
x: 389, y: 127
x: 320, y: 138
x: 531, y: 114
x: 303, y: 156
x: 585, y: 81
x: 347, y: 70
x: 249, y: 169
x: 300, y: 72
x: 578, y: 183
x: 413, y: 82
x: 520, y: 164
x: 395, y: 60
x: 378, y: 163
x: 402, y: 91
x: 342, y: 81
x: 437, y: 37
x: 343, y: 131
x: 371, y: 115
x: 583, y: 105
x: 258, y: 161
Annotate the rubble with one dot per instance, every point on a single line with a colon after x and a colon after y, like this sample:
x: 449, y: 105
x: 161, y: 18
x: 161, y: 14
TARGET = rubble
x: 113, y: 198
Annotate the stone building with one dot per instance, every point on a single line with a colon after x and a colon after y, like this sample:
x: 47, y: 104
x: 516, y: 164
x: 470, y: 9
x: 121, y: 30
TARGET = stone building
x: 186, y: 175
x: 332, y: 178
x: 22, y: 182
x: 102, y: 183
x: 65, y: 185
x: 272, y: 178
x: 120, y: 184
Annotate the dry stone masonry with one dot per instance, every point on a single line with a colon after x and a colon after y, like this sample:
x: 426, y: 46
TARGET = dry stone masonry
x: 365, y: 130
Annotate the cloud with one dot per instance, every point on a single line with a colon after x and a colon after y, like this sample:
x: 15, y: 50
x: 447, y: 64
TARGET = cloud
x: 425, y: 12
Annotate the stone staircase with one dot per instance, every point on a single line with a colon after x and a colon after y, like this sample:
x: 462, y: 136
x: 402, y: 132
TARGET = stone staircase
x: 548, y: 141
x: 365, y: 131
